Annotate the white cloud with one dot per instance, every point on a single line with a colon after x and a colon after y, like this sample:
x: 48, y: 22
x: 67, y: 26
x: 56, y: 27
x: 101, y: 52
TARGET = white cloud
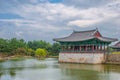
x: 83, y: 23
x: 19, y: 34
x: 51, y: 14
x: 17, y: 20
x: 50, y: 17
x: 93, y: 16
x: 46, y: 11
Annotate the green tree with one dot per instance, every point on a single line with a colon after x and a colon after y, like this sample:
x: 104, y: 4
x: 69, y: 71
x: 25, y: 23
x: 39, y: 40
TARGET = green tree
x: 33, y: 44
x: 20, y: 51
x: 39, y: 44
x: 16, y: 44
x: 40, y: 53
x: 3, y: 45
x: 55, y: 49
x: 19, y: 46
x: 30, y: 52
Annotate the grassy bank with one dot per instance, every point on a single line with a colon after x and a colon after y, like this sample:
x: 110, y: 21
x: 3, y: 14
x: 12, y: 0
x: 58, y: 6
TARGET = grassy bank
x: 52, y: 56
x: 14, y: 57
x: 18, y: 57
x: 118, y: 52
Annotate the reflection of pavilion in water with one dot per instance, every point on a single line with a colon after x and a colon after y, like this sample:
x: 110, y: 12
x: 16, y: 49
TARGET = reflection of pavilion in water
x: 98, y: 67
x: 80, y: 72
x: 88, y: 72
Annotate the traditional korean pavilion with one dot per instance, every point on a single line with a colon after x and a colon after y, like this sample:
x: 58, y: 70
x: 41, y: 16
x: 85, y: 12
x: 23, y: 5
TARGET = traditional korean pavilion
x: 84, y: 47
x: 116, y: 47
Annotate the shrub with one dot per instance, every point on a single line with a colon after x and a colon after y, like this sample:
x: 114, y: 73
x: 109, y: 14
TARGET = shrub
x: 20, y: 51
x: 30, y: 52
x: 40, y: 53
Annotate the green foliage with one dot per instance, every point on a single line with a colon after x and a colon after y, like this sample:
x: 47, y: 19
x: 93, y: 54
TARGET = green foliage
x: 15, y: 43
x: 40, y: 53
x: 30, y: 52
x: 9, y: 46
x: 19, y: 46
x: 55, y: 49
x: 3, y: 45
x: 110, y: 49
x: 39, y: 44
x: 20, y: 51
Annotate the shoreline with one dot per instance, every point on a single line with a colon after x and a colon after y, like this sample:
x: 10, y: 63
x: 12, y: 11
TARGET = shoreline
x: 15, y: 57
x: 112, y: 63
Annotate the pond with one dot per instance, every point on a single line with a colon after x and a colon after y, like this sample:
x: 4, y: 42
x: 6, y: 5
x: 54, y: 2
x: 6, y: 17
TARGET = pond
x: 50, y: 69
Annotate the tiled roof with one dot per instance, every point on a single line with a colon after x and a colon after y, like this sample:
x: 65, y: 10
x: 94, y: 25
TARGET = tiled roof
x: 117, y: 45
x: 83, y: 35
x: 106, y: 39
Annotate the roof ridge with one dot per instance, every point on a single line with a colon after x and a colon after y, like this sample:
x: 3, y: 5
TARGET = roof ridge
x: 84, y: 31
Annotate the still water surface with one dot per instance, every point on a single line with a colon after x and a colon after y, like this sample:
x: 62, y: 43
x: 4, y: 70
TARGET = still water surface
x: 50, y: 69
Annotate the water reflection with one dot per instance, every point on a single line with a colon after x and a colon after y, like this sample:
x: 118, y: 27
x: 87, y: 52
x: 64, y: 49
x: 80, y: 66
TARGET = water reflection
x: 98, y: 67
x: 82, y: 71
x: 90, y: 72
x: 4, y: 74
x: 50, y: 69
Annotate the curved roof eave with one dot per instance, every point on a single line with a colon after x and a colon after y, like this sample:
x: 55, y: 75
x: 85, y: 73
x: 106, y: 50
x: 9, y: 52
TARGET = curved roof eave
x: 105, y: 39
x: 75, y: 40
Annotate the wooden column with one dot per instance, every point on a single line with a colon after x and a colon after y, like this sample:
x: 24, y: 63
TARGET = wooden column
x: 97, y: 48
x: 72, y: 48
x: 92, y: 47
x: 80, y: 48
x: 100, y: 47
x: 86, y: 48
x: 104, y: 47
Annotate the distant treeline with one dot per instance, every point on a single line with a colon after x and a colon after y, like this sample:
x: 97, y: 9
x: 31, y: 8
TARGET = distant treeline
x: 20, y: 47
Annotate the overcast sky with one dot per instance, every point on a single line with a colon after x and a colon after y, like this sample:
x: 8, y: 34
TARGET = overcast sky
x: 48, y: 19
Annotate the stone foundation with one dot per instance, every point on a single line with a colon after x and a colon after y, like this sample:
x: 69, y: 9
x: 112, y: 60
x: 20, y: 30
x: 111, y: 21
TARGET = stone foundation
x: 91, y: 58
x: 113, y: 58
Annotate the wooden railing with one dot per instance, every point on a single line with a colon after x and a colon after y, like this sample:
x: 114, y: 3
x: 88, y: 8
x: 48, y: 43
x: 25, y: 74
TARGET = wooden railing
x: 77, y: 51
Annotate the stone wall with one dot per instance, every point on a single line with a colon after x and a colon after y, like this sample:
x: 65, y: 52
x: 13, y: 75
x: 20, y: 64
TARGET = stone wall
x: 113, y: 58
x: 92, y: 58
